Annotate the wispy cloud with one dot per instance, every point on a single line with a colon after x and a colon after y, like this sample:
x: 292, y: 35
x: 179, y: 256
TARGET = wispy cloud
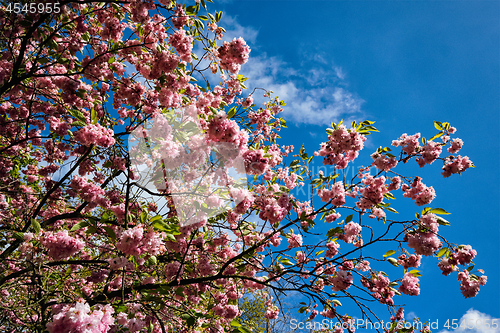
x: 474, y: 321
x: 315, y: 89
x: 316, y: 95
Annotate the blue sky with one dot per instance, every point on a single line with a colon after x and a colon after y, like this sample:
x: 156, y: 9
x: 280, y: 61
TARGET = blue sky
x: 402, y: 64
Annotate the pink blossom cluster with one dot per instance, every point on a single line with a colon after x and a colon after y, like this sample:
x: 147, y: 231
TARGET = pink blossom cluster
x: 332, y: 217
x: 342, y: 279
x: 336, y: 194
x: 424, y: 243
x: 469, y: 285
x: 395, y: 184
x: 79, y: 319
x: 228, y: 311
x: 61, y: 245
x: 352, y: 231
x: 399, y: 315
x: 255, y: 162
x: 273, y: 210
x: 165, y: 62
x: 95, y: 134
x: 409, y: 143
x: 373, y: 192
x: 272, y: 311
x: 135, y: 241
x: 379, y: 286
x: 128, y: 92
x: 295, y: 240
x: 180, y: 19
x: 411, y: 261
x: 221, y: 129
x: 91, y: 193
x: 378, y: 213
x: 383, y: 162
x: 429, y: 221
x: 233, y: 54
x: 58, y: 125
x: 409, y: 285
x: 462, y: 255
x: 363, y: 266
x: 333, y: 249
x: 343, y: 146
x: 419, y: 192
x: 430, y: 152
x: 183, y: 44
x: 457, y: 165
x: 456, y: 145
x: 113, y: 28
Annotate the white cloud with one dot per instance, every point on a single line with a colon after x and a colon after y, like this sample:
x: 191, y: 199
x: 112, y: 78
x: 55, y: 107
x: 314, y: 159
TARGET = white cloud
x: 474, y: 321
x: 315, y: 92
x: 236, y: 30
x: 313, y: 96
x: 411, y: 315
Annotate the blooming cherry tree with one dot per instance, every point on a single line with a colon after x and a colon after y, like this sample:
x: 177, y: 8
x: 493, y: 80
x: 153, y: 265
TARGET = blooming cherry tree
x: 86, y: 248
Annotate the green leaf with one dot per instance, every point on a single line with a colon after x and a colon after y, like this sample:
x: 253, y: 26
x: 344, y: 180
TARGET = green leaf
x: 191, y: 321
x: 121, y: 308
x: 389, y: 253
x: 111, y: 60
x: 396, y: 291
x: 79, y: 123
x: 442, y: 251
x: 152, y: 261
x: 442, y: 221
x: 389, y: 195
x: 93, y: 116
x: 36, y: 226
x: 349, y: 218
x: 160, y: 226
x: 392, y: 210
x: 436, y: 136
x: 243, y: 329
x: 80, y: 225
x: 333, y: 231
x: 437, y: 125
x: 336, y: 301
x: 19, y: 235
x: 110, y: 232
x: 235, y: 323
x: 231, y: 112
x: 393, y: 262
x: 440, y: 211
x: 425, y: 210
x: 415, y: 273
x: 78, y: 114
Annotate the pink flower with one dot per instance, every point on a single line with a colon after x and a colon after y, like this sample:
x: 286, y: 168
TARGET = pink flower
x: 95, y: 134
x: 456, y: 165
x: 456, y: 145
x: 60, y: 245
x: 295, y: 240
x: 424, y: 243
x: 351, y: 231
x: 233, y: 54
x: 409, y: 285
